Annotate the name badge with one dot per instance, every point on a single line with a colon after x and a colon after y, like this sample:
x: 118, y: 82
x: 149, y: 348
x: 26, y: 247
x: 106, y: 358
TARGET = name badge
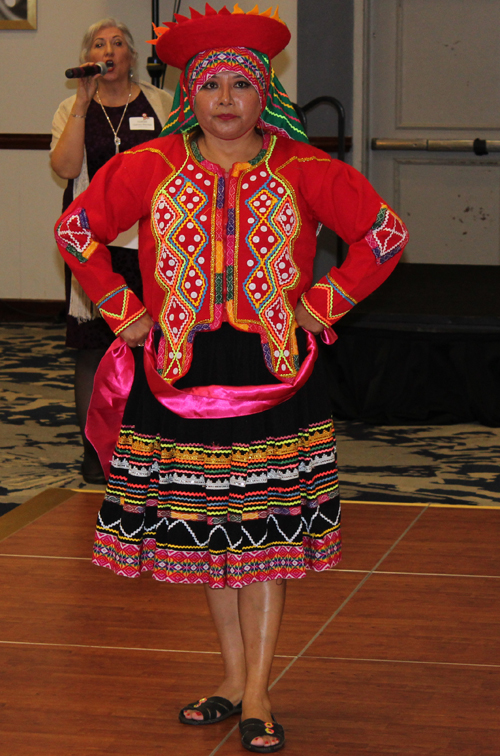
x: 141, y: 123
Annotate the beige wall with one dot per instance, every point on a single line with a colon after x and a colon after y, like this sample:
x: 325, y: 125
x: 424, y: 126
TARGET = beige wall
x: 32, y: 85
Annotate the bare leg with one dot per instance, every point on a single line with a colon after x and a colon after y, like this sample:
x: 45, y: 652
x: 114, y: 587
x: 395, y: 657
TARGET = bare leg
x: 223, y: 604
x: 247, y: 622
x: 261, y: 609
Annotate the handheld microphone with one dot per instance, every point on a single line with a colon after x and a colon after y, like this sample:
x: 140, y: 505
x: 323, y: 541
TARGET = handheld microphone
x: 80, y: 71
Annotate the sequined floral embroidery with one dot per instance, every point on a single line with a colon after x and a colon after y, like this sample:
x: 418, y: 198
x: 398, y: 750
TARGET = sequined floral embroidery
x: 75, y: 235
x: 387, y: 236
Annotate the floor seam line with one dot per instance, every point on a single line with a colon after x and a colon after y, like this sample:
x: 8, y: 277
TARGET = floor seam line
x: 108, y: 648
x: 335, y: 614
x: 277, y: 656
x: 436, y: 574
x: 402, y: 661
x: 45, y: 556
x: 353, y: 593
x: 364, y: 572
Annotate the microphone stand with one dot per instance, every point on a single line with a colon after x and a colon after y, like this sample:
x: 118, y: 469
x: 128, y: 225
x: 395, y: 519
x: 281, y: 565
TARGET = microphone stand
x: 155, y: 67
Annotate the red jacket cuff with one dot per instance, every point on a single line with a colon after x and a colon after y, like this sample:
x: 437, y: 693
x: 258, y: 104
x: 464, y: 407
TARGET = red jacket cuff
x: 319, y: 302
x: 120, y: 308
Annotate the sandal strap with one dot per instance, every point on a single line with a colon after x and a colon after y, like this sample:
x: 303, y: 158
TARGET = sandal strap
x: 211, y: 706
x: 257, y: 728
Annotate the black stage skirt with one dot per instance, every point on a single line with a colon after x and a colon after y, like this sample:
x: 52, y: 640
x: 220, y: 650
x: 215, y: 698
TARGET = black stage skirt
x: 223, y: 501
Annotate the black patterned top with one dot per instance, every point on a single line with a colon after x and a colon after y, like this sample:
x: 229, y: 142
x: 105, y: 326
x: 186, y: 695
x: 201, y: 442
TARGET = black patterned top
x: 99, y: 138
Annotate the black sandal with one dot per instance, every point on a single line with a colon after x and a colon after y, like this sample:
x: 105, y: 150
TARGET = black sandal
x: 210, y: 707
x: 257, y: 728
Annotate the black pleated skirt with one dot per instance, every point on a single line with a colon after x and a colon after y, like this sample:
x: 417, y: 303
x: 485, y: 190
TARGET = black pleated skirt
x: 223, y: 501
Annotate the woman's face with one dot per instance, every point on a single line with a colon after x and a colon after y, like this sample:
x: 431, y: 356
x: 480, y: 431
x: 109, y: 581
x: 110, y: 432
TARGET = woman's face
x: 109, y: 46
x: 227, y: 106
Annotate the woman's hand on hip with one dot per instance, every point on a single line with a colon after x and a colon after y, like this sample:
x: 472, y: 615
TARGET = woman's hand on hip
x: 136, y: 333
x: 306, y: 320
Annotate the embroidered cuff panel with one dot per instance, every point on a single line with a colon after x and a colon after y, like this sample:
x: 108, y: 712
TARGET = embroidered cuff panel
x: 327, y: 301
x: 121, y: 308
x: 74, y: 235
x: 387, y: 236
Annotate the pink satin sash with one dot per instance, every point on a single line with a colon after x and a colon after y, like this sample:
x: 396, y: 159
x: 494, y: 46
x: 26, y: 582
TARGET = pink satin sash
x: 115, y: 376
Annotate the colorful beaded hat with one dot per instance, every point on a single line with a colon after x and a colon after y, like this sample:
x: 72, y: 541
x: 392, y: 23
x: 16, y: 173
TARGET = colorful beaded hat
x: 204, y: 45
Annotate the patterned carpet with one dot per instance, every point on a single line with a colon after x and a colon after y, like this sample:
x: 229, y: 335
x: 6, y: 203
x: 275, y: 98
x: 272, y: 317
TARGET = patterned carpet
x: 39, y: 438
x: 40, y: 444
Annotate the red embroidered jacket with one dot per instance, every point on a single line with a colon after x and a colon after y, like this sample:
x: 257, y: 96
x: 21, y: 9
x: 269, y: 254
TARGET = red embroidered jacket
x: 235, y: 246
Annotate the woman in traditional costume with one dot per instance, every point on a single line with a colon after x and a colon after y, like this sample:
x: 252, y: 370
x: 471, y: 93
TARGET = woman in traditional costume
x: 224, y: 471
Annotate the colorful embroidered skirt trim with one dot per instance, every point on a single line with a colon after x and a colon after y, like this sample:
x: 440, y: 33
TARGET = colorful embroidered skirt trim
x: 223, y: 502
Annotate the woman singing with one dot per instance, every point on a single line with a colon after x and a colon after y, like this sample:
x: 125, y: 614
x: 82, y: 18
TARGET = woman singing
x: 108, y: 114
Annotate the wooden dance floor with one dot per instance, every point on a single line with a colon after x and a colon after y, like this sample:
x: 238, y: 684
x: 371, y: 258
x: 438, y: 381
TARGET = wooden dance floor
x: 395, y: 652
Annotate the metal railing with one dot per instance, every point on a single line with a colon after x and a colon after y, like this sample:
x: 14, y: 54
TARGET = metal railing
x: 477, y: 146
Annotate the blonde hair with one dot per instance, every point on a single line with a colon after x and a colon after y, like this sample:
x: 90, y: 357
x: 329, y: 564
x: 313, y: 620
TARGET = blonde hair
x: 106, y: 23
